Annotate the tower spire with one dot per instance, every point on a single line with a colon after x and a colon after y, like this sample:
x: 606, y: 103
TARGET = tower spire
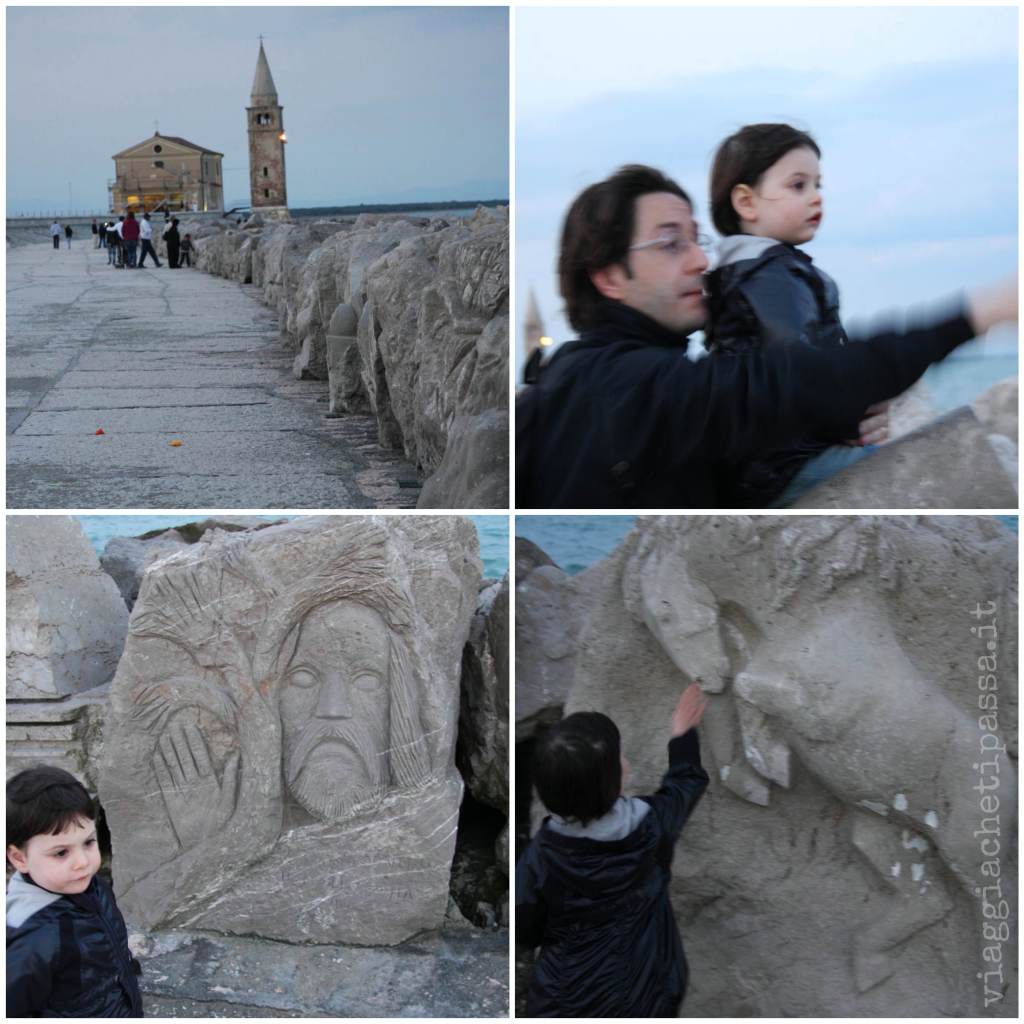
x: 264, y: 92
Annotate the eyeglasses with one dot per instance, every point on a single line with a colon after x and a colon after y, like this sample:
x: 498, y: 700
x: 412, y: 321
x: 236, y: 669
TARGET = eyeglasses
x: 674, y: 245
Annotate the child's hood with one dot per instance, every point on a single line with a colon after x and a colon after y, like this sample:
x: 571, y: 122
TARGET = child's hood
x: 625, y: 814
x: 734, y: 248
x: 25, y: 899
x: 606, y: 857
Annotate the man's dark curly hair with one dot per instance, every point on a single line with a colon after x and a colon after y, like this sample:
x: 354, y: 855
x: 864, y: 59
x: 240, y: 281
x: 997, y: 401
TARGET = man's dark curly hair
x: 597, y: 233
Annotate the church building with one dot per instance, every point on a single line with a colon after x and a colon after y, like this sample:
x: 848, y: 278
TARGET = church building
x: 266, y: 143
x: 166, y: 172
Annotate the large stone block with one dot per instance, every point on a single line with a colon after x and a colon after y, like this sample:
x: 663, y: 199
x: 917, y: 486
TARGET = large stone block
x: 483, y: 716
x: 862, y: 674
x: 283, y: 725
x: 66, y: 622
x: 949, y: 463
x: 67, y: 733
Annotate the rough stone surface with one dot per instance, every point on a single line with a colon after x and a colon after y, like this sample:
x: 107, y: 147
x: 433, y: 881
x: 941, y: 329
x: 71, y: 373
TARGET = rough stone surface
x: 996, y: 408
x: 430, y: 355
x: 474, y: 465
x: 548, y: 620
x: 281, y: 755
x: 66, y: 622
x: 483, y: 714
x: 455, y: 972
x: 950, y: 463
x: 833, y: 866
x: 67, y: 733
x: 125, y: 559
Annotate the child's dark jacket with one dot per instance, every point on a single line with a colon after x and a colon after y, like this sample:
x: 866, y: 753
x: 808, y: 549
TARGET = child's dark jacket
x: 763, y: 294
x: 600, y: 909
x: 68, y: 956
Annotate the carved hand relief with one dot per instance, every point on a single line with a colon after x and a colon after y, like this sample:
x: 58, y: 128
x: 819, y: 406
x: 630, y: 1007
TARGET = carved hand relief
x: 272, y: 692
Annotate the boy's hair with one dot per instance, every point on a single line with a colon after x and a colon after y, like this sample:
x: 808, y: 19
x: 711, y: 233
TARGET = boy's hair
x: 597, y: 233
x: 577, y: 768
x: 44, y: 801
x: 741, y: 160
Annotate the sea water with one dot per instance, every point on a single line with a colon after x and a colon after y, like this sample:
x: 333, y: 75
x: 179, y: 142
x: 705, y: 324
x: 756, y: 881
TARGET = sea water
x: 492, y: 532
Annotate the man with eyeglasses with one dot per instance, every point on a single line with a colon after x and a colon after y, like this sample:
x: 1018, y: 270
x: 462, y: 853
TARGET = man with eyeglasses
x: 621, y: 418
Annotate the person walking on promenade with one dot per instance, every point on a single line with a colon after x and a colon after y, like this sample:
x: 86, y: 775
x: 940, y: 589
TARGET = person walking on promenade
x: 186, y: 252
x: 173, y: 240
x: 113, y: 242
x: 130, y: 233
x: 55, y: 234
x: 96, y: 232
x: 146, y: 234
x: 68, y: 233
x: 119, y: 227
x: 104, y: 228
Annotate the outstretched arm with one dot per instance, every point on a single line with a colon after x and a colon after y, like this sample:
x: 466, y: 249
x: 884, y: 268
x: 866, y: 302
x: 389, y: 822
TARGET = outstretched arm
x: 685, y: 781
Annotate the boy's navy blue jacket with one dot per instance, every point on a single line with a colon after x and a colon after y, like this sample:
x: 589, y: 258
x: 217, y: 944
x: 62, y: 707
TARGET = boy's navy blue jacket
x: 68, y: 956
x: 767, y: 294
x: 600, y: 910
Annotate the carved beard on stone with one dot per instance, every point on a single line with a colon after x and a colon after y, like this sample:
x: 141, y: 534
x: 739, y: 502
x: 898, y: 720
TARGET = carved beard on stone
x: 336, y: 711
x: 333, y: 770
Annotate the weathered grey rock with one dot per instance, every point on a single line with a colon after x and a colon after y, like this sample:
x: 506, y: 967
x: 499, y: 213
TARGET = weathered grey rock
x: 125, y: 559
x: 483, y: 714
x: 344, y: 363
x: 66, y: 622
x: 950, y: 463
x: 548, y: 621
x: 474, y: 470
x: 430, y: 355
x: 996, y: 408
x: 283, y: 726
x: 67, y: 733
x: 861, y: 670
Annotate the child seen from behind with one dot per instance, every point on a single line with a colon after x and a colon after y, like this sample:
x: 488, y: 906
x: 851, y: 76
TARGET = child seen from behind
x: 592, y: 886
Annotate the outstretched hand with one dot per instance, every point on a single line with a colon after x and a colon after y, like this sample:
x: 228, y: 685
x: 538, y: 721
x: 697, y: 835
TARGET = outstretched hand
x: 690, y: 709
x: 993, y: 305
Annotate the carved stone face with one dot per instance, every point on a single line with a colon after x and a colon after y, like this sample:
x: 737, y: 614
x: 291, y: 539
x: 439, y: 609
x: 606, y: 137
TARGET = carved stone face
x: 335, y: 710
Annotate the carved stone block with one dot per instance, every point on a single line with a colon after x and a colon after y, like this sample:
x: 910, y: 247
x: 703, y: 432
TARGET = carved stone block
x: 281, y: 755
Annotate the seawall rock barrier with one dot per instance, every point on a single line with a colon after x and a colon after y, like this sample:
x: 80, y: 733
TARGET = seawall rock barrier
x: 407, y: 319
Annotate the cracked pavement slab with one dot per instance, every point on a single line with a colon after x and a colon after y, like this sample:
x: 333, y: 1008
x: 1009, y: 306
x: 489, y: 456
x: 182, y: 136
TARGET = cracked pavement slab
x: 152, y: 356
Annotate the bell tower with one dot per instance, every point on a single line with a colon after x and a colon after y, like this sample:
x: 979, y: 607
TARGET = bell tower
x: 266, y: 143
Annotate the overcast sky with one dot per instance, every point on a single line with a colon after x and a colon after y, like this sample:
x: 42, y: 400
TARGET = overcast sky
x: 380, y: 104
x: 915, y: 110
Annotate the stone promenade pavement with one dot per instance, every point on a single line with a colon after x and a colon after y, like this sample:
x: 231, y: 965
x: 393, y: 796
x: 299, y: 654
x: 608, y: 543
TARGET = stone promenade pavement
x: 154, y: 356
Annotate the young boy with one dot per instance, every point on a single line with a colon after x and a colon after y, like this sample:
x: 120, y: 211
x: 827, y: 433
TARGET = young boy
x: 67, y: 946
x: 764, y: 291
x: 592, y: 886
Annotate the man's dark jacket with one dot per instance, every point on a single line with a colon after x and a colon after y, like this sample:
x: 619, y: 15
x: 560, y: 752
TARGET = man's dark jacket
x: 70, y: 958
x: 600, y: 910
x: 622, y: 418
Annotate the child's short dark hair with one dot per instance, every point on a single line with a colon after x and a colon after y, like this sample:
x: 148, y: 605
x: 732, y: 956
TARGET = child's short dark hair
x: 44, y: 801
x: 741, y: 160
x: 577, y: 768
